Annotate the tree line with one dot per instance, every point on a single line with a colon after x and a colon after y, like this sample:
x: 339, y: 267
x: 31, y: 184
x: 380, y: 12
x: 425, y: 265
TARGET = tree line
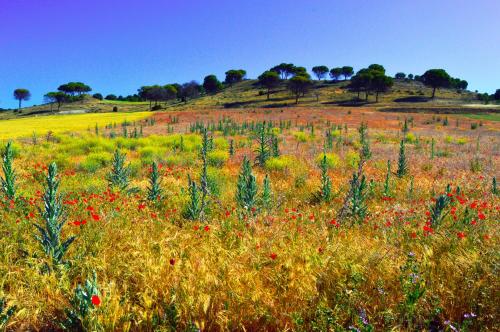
x: 370, y: 81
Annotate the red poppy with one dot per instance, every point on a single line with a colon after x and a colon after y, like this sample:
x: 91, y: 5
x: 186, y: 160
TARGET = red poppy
x: 460, y: 235
x: 96, y: 300
x: 96, y: 217
x: 206, y: 228
x: 481, y: 216
x: 273, y: 256
x: 413, y: 235
x: 172, y: 261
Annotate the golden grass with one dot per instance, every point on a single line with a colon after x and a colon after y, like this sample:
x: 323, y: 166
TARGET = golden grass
x: 41, y: 125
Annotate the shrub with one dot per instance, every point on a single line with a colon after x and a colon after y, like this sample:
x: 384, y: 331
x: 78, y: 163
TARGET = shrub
x: 461, y: 141
x: 300, y: 136
x: 95, y: 161
x: 217, y: 158
x: 279, y: 164
x: 352, y: 159
x: 410, y: 138
x: 448, y: 139
x: 332, y: 160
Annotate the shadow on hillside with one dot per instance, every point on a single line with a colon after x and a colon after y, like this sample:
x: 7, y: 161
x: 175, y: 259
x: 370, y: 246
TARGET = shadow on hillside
x: 348, y: 103
x: 36, y: 113
x: 412, y: 99
x: 238, y: 104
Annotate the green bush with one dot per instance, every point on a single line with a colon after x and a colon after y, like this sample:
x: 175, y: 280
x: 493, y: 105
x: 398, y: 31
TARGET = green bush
x: 279, y: 164
x: 300, y: 136
x: 95, y: 161
x: 410, y: 138
x: 217, y: 158
x: 352, y: 159
x: 332, y: 160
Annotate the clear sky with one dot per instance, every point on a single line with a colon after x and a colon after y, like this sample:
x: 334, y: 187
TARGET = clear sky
x: 116, y: 46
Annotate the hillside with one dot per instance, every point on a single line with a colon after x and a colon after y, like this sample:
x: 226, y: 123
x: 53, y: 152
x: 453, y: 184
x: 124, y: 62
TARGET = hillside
x: 404, y: 96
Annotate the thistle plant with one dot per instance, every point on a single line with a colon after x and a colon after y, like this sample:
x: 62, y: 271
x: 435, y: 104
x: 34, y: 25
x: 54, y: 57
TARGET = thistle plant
x: 263, y: 152
x: 387, y: 188
x: 231, y: 147
x: 154, y: 189
x: 275, y: 146
x: 357, y: 205
x: 432, y: 148
x: 54, y: 219
x: 246, y: 190
x: 402, y: 162
x: 437, y: 211
x: 266, y: 197
x: 5, y: 313
x: 119, y: 174
x: 494, y: 189
x: 85, y: 300
x: 325, y: 192
x: 405, y: 128
x: 365, y: 145
x: 198, y: 194
x: 8, y: 181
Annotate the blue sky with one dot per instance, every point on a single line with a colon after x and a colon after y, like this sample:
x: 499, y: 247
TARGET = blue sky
x: 117, y: 46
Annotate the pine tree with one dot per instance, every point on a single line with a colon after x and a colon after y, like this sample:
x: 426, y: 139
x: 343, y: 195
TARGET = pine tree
x: 387, y: 189
x: 402, y: 162
x: 119, y: 174
x: 9, y: 180
x: 55, y: 218
x: 154, y: 190
x: 246, y: 189
x: 325, y: 193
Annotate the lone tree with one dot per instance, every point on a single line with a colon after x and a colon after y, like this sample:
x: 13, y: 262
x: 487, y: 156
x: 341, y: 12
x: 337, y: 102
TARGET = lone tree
x: 320, y: 72
x: 496, y: 96
x: 235, y: 76
x: 299, y: 85
x: 269, y: 80
x: 335, y: 73
x: 211, y: 84
x: 347, y: 71
x: 74, y: 88
x: 20, y: 95
x: 56, y: 97
x: 284, y: 70
x: 436, y: 78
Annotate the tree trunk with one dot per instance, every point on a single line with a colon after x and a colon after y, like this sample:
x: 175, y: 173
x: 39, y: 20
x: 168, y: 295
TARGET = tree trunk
x: 297, y: 98
x: 376, y: 97
x: 19, y: 108
x: 433, y: 92
x: 268, y: 92
x: 366, y: 95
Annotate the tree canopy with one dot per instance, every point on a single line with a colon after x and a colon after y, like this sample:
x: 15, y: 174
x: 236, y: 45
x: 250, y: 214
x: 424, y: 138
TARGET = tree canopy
x: 74, y: 88
x: 58, y: 97
x: 211, y: 84
x: 335, y: 73
x: 235, y: 76
x: 269, y: 79
x: 21, y: 94
x: 320, y: 71
x: 285, y: 70
x: 436, y: 78
x: 299, y: 85
x: 347, y: 71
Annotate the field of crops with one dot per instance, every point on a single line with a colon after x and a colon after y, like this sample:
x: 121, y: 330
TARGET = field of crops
x: 257, y: 220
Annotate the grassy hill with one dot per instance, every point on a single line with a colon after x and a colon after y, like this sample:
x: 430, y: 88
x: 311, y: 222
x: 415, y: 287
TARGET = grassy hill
x: 404, y: 96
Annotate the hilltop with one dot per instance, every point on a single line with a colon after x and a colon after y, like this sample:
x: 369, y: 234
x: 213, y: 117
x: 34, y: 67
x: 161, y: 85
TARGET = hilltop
x: 404, y: 96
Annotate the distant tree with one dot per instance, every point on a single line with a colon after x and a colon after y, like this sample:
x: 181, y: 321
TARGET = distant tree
x: 347, y: 71
x: 376, y: 67
x: 320, y: 72
x: 211, y: 84
x: 235, y: 76
x: 20, y: 95
x: 74, y: 88
x: 436, y: 78
x: 110, y: 97
x: 335, y: 73
x: 458, y: 84
x: 361, y: 82
x: 169, y: 92
x: 496, y: 95
x: 190, y: 90
x: 284, y: 70
x: 400, y: 76
x: 56, y: 97
x: 152, y: 93
x: 298, y: 71
x: 299, y: 85
x: 270, y: 80
x: 418, y: 78
x: 380, y: 83
x: 97, y: 96
x: 410, y: 76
